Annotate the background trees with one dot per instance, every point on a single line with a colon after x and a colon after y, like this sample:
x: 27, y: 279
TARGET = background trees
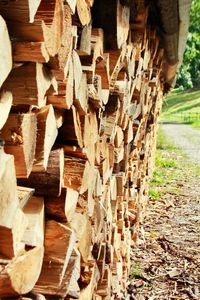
x: 189, y: 74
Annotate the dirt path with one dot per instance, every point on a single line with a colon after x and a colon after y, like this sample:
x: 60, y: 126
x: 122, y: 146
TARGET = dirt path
x: 185, y: 138
x: 166, y: 261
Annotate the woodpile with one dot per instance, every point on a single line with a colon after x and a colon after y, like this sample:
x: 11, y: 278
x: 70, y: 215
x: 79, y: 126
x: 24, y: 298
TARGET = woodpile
x: 79, y: 100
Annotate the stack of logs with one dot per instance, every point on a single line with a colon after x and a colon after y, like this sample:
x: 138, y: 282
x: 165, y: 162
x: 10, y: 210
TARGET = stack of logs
x: 81, y: 90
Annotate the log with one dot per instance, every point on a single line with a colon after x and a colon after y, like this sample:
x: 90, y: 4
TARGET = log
x: 83, y: 11
x: 30, y: 51
x: 46, y: 135
x: 63, y: 207
x: 59, y: 243
x: 71, y: 131
x: 24, y: 194
x: 11, y: 234
x: 34, y: 211
x: 117, y: 30
x: 8, y: 188
x: 5, y: 52
x: 5, y: 106
x: 81, y: 226
x: 47, y: 27
x: 24, y: 10
x: 20, y: 274
x: 29, y: 84
x: 47, y: 182
x: 19, y: 134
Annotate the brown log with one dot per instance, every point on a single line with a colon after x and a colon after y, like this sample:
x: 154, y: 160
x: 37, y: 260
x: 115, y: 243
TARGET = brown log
x: 59, y: 243
x: 48, y: 182
x: 24, y: 10
x: 71, y: 132
x: 19, y: 134
x: 5, y: 52
x: 62, y: 208
x: 83, y: 12
x: 30, y: 51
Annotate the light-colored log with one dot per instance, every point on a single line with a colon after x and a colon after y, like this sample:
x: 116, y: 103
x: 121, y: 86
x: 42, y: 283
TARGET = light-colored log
x: 46, y: 136
x: 19, y: 134
x: 5, y: 52
x: 34, y: 212
x: 29, y: 84
x: 20, y: 274
x: 83, y: 12
x: 5, y: 106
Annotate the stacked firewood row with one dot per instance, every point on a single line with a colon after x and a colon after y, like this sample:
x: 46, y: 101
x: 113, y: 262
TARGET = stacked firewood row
x: 81, y: 90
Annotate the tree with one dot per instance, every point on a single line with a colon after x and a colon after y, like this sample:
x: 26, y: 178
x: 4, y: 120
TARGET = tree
x: 189, y: 74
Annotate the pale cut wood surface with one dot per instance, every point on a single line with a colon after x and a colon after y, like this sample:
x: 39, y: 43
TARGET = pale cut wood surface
x: 5, y: 52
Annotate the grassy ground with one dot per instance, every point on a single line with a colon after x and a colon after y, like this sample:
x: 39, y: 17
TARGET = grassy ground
x: 183, y: 106
x: 171, y: 167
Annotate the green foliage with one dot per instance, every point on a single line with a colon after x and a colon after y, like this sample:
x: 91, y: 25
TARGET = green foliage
x: 189, y: 74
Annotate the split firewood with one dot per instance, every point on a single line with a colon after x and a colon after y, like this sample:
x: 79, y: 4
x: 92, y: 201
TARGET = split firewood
x: 8, y: 188
x: 45, y: 28
x: 46, y: 136
x: 30, y: 51
x: 88, y: 280
x: 83, y: 12
x: 19, y: 276
x: 53, y: 175
x: 24, y: 10
x: 24, y: 194
x: 5, y: 52
x: 72, y: 4
x: 29, y: 84
x: 64, y: 206
x: 117, y: 29
x: 5, y: 106
x: 71, y: 131
x: 19, y: 134
x: 82, y: 227
x: 59, y: 243
x: 34, y: 212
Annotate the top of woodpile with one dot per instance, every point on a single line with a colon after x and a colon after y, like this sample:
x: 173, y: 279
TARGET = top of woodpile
x: 171, y: 18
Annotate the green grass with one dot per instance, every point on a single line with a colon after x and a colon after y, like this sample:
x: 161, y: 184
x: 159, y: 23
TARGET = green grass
x: 171, y: 166
x: 166, y: 169
x: 183, y: 106
x: 136, y: 270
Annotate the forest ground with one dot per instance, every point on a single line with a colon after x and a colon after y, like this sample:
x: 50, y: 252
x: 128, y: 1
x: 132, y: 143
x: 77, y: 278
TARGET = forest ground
x: 166, y: 260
